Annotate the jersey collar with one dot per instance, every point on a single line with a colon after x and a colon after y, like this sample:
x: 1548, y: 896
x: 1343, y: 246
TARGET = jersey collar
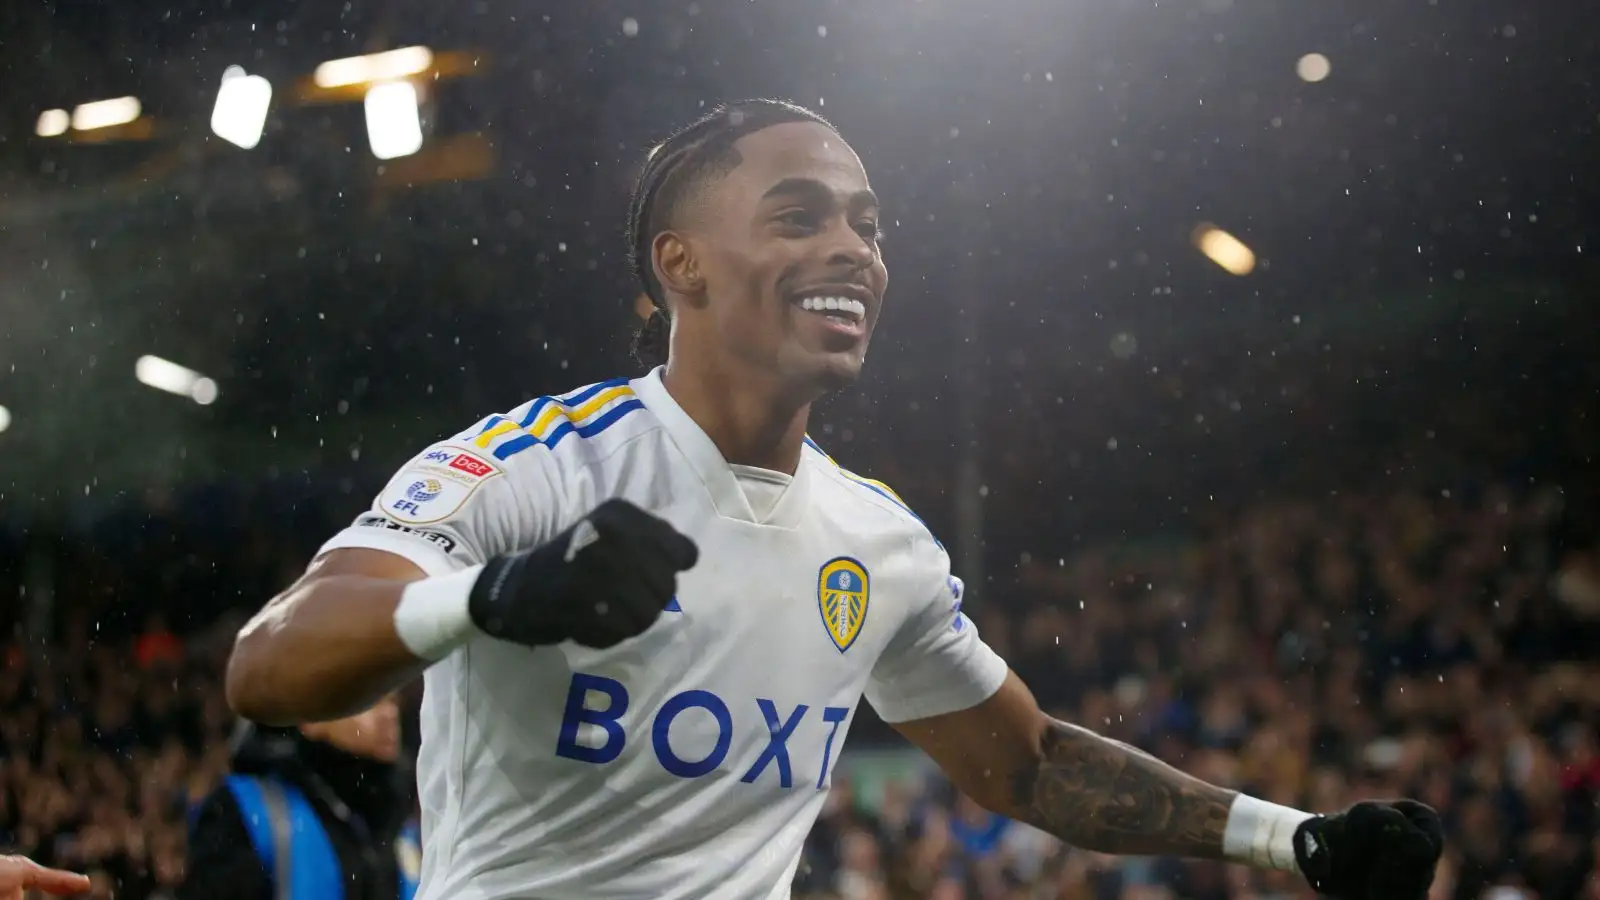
x: 727, y: 497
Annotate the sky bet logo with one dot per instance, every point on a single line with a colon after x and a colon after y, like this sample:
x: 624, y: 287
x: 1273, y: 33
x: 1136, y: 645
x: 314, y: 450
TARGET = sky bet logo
x: 461, y: 462
x: 780, y: 729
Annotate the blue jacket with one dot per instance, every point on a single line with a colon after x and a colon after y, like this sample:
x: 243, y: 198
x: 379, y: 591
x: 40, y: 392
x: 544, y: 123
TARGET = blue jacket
x: 312, y: 869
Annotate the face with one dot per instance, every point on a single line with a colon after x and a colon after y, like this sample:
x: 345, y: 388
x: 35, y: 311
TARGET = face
x: 374, y: 734
x: 784, y: 249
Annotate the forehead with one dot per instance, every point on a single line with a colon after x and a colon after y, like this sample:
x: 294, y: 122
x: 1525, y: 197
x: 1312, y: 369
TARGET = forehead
x: 796, y: 150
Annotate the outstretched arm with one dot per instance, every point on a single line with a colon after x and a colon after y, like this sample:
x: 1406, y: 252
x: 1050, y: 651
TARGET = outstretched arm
x: 1101, y: 794
x: 1094, y: 792
x: 327, y: 647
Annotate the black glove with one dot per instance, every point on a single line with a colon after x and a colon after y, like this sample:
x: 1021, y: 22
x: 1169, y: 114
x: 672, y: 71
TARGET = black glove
x: 1371, y: 851
x: 600, y: 582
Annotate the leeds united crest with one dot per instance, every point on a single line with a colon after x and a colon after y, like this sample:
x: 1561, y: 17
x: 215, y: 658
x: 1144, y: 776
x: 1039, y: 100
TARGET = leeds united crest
x: 842, y: 597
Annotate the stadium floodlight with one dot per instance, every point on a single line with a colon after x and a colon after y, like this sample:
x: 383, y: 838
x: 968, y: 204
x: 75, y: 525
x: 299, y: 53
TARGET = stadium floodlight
x: 164, y: 375
x: 1224, y: 249
x: 374, y: 67
x: 1313, y: 67
x: 105, y: 113
x: 53, y: 123
x: 394, y: 124
x: 240, y: 114
x: 5, y: 418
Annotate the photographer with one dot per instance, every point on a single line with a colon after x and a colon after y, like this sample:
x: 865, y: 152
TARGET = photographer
x: 316, y: 811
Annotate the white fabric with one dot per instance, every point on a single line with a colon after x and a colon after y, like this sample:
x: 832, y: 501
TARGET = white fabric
x: 762, y: 489
x: 431, y: 618
x: 533, y: 787
x: 1261, y: 834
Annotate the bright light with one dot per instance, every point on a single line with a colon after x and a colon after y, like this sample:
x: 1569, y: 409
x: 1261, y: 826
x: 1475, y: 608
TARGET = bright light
x: 241, y: 110
x: 5, y: 418
x: 394, y: 125
x: 53, y: 122
x: 105, y: 113
x: 1313, y: 67
x: 204, y: 392
x: 384, y: 66
x: 163, y: 375
x: 1224, y: 249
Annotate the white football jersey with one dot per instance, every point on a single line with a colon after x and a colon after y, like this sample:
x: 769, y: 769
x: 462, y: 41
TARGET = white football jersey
x: 690, y: 761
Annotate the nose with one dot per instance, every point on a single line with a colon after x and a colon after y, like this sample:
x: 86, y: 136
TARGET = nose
x: 850, y: 249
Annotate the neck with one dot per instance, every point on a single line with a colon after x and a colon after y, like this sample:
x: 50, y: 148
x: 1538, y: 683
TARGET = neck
x: 748, y: 415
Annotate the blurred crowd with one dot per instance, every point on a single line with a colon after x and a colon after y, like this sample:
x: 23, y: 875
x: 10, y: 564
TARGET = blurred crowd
x: 1311, y: 652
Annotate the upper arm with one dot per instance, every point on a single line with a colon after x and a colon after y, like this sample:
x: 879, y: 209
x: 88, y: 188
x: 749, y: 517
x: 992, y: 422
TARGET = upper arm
x: 365, y: 563
x: 986, y: 748
x: 936, y: 663
x: 943, y: 688
x: 456, y: 504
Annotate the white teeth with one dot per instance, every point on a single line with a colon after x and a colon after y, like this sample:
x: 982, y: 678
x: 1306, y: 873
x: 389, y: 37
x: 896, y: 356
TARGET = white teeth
x: 851, y: 307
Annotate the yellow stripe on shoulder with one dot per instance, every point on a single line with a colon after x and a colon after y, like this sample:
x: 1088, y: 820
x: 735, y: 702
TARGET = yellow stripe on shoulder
x: 552, y: 416
x: 872, y: 483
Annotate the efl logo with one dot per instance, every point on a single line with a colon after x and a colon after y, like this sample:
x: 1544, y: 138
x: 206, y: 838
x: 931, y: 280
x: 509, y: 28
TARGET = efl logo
x: 471, y: 465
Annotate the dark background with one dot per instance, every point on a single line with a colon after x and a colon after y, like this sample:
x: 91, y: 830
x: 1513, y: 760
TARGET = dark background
x: 1061, y: 380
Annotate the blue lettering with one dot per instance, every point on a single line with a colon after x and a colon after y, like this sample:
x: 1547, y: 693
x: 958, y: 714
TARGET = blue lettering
x: 835, y: 715
x: 579, y: 713
x: 606, y: 715
x: 777, y: 743
x: 669, y: 711
x: 406, y: 506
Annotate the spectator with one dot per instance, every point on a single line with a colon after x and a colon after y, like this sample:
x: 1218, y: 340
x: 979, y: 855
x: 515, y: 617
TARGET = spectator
x: 1388, y: 643
x: 319, y: 808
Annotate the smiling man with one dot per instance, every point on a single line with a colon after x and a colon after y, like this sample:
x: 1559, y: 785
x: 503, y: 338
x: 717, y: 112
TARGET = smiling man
x: 649, y: 609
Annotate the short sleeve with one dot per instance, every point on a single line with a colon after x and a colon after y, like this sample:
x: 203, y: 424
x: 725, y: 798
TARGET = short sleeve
x: 456, y: 504
x: 936, y: 663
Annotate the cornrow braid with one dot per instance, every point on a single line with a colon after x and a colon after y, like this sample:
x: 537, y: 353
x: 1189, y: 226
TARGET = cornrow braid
x: 685, y: 160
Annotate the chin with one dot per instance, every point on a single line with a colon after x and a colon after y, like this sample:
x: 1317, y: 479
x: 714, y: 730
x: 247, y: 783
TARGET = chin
x: 818, y: 371
x: 836, y: 372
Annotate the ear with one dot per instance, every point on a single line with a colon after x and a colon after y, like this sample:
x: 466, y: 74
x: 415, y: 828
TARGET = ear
x: 676, y: 266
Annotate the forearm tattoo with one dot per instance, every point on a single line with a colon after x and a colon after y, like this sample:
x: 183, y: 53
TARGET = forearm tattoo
x: 1103, y: 795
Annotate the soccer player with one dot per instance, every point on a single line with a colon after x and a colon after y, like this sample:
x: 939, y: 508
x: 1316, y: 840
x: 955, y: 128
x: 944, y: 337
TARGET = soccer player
x: 648, y: 609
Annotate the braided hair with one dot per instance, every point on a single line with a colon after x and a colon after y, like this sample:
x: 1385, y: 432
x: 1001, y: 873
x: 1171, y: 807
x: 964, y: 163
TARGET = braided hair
x: 674, y: 172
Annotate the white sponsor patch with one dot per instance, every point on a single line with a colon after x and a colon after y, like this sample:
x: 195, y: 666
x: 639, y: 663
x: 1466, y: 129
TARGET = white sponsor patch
x: 435, y: 485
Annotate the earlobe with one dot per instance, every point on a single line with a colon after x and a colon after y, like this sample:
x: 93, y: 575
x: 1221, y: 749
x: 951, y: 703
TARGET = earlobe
x: 676, y: 266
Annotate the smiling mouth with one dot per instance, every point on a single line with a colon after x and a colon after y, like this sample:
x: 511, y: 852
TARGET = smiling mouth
x: 843, y: 309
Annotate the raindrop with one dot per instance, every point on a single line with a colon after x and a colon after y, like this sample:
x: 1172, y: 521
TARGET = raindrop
x: 630, y: 27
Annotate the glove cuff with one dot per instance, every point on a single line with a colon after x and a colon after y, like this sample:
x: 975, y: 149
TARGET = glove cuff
x: 1261, y: 834
x: 431, y: 618
x: 1311, y: 853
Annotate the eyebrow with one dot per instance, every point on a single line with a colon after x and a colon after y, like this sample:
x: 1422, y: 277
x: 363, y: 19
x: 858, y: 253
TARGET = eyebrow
x: 815, y: 188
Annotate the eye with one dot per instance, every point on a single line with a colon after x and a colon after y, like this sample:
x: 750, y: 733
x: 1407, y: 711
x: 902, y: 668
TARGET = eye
x: 797, y: 220
x: 870, y: 231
